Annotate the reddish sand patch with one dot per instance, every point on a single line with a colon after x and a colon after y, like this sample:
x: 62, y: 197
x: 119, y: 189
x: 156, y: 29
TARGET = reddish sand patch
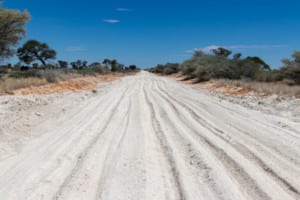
x: 215, y: 85
x: 72, y: 85
x: 228, y: 89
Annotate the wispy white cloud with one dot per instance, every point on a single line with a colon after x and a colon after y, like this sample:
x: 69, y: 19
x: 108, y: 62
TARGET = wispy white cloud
x: 208, y: 49
x: 111, y: 21
x: 123, y: 9
x: 74, y: 48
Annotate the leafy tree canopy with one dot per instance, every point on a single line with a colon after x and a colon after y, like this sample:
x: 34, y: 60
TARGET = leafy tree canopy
x: 221, y: 52
x: 12, y: 30
x: 34, y: 50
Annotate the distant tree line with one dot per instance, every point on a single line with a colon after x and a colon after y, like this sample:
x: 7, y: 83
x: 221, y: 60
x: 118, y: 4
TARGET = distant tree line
x: 220, y: 64
x: 36, y: 55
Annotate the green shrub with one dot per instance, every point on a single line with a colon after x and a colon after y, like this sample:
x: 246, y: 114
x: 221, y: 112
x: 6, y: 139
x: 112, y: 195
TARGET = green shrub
x: 25, y: 74
x: 291, y: 68
x: 167, y: 69
x: 206, y: 66
x: 203, y: 67
x: 86, y: 71
x: 171, y: 68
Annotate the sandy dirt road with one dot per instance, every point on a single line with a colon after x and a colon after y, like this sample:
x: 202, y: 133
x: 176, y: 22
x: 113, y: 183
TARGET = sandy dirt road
x: 148, y: 137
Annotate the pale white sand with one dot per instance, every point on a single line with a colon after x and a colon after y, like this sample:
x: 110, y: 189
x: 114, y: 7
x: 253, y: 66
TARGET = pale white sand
x: 146, y: 137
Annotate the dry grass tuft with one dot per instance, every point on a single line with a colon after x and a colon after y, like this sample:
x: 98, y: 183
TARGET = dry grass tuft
x: 71, y: 84
x: 52, y: 81
x: 7, y: 85
x: 262, y: 88
x: 274, y: 88
x: 10, y: 84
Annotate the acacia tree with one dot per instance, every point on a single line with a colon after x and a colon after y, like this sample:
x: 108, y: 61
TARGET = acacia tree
x: 12, y: 30
x: 79, y: 64
x: 132, y: 67
x: 259, y: 62
x: 221, y: 52
x: 106, y: 62
x: 63, y: 64
x: 114, y: 65
x: 34, y: 50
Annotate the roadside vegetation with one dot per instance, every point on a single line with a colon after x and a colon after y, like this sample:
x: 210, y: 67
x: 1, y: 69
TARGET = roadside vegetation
x: 249, y: 72
x: 38, y: 64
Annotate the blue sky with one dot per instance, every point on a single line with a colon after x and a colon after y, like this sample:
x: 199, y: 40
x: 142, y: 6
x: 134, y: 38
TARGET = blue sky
x: 150, y: 32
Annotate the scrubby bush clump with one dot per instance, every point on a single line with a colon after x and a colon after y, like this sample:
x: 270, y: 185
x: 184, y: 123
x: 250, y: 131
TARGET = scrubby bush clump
x: 218, y: 65
x: 167, y: 69
x: 221, y: 65
x: 291, y: 68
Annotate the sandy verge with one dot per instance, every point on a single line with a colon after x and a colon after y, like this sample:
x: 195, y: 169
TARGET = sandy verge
x: 282, y: 105
x: 72, y: 85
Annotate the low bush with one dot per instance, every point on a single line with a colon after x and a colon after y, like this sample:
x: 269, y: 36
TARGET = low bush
x: 25, y: 74
x: 203, y: 67
x: 52, y: 76
x: 167, y: 69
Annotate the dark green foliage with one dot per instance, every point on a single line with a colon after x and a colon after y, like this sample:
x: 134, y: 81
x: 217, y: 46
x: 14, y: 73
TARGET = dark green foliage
x: 63, y: 64
x: 114, y: 66
x: 157, y: 69
x: 86, y: 71
x: 206, y: 66
x: 237, y: 56
x: 132, y: 67
x: 221, y: 52
x: 26, y: 74
x: 203, y: 67
x: 291, y: 68
x: 167, y: 69
x: 171, y: 68
x: 259, y: 62
x: 98, y: 68
x: 34, y: 50
x: 79, y: 64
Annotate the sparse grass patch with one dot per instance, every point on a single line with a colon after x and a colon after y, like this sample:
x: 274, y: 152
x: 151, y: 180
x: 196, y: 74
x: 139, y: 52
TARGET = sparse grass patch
x: 24, y: 79
x: 53, y: 76
x: 263, y: 88
x: 9, y: 84
x: 25, y: 74
x: 275, y: 88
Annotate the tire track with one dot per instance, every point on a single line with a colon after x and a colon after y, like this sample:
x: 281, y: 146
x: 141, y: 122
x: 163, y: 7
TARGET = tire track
x: 237, y: 146
x: 236, y: 171
x: 113, y: 155
x: 83, y: 155
x: 163, y: 143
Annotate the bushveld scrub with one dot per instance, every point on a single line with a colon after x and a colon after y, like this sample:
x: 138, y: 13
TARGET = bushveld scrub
x: 17, y: 77
x: 218, y: 65
x: 167, y: 69
x: 22, y: 79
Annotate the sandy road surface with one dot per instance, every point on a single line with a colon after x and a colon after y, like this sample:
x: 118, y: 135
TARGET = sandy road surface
x: 148, y: 137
